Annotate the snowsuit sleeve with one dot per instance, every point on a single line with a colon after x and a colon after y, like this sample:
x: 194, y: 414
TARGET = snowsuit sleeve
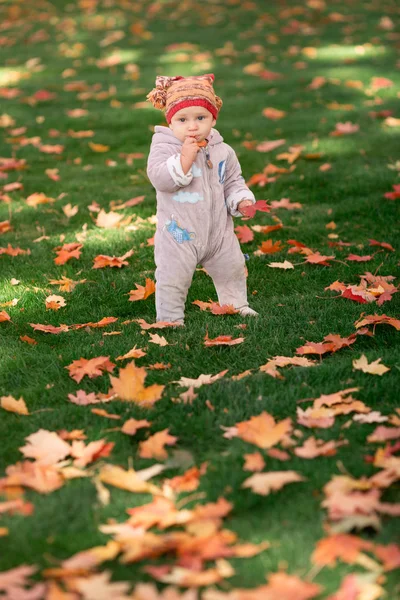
x: 235, y: 189
x: 165, y: 170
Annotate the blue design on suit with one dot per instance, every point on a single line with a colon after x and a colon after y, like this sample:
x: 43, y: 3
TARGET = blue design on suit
x: 222, y: 171
x: 178, y: 233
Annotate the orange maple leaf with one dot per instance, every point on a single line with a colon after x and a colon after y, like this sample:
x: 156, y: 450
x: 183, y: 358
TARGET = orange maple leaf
x: 316, y: 258
x: 270, y: 247
x: 66, y: 252
x: 130, y: 386
x: 225, y: 309
x: 263, y: 431
x: 153, y: 447
x: 4, y: 316
x: 244, y: 234
x: 342, y: 545
x: 102, y: 260
x: 222, y: 340
x: 142, y: 292
x: 92, y: 367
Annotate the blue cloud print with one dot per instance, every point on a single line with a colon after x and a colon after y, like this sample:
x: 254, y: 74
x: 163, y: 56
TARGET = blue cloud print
x: 191, y: 197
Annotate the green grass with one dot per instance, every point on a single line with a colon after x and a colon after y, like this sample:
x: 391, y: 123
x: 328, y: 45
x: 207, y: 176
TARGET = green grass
x: 293, y: 305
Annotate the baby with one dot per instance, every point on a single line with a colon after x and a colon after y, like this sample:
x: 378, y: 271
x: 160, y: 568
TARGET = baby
x: 199, y: 188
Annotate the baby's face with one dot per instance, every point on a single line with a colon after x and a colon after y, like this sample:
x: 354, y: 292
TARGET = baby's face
x: 194, y: 121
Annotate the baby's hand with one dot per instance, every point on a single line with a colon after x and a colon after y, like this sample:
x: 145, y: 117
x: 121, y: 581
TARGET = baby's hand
x: 189, y: 149
x: 243, y: 204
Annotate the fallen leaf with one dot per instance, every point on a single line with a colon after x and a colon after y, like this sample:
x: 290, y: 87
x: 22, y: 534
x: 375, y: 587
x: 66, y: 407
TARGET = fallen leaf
x: 374, y: 368
x: 129, y: 387
x: 222, y: 340
x: 264, y: 483
x: 157, y: 339
x: 263, y: 431
x: 142, y: 292
x: 131, y: 426
x: 12, y: 405
x: 153, y: 447
x: 46, y: 447
x: 281, y: 265
x: 92, y: 367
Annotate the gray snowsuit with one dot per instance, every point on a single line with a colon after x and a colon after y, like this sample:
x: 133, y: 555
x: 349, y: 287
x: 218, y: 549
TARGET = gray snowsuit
x: 195, y: 225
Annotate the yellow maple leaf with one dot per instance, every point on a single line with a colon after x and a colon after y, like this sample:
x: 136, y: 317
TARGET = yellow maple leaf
x: 12, y: 405
x: 129, y: 386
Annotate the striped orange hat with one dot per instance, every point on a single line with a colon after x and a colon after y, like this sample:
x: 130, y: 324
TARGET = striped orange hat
x: 174, y: 93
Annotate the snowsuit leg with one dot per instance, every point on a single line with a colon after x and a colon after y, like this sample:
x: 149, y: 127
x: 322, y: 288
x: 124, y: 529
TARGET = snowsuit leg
x: 176, y: 263
x: 227, y: 269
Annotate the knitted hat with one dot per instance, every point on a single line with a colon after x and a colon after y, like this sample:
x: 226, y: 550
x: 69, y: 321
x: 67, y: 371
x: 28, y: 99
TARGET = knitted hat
x: 174, y: 93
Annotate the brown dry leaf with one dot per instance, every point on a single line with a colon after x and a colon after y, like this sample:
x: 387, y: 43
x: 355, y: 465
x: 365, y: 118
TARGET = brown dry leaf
x: 263, y: 431
x: 130, y: 386
x: 131, y: 426
x: 264, y: 483
x: 153, y: 447
x: 46, y: 447
x: 133, y: 353
x: 12, y: 405
x: 222, y: 340
x: 92, y: 367
x: 374, y: 368
x: 254, y: 462
x: 142, y: 292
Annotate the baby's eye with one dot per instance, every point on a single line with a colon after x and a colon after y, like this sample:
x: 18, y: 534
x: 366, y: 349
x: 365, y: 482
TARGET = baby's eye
x: 201, y: 117
x: 181, y: 119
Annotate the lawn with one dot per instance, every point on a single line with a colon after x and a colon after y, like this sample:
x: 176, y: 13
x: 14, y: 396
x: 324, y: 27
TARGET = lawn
x: 75, y: 134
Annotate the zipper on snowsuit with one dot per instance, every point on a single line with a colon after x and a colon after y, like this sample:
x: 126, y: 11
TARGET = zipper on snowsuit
x: 209, y: 167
